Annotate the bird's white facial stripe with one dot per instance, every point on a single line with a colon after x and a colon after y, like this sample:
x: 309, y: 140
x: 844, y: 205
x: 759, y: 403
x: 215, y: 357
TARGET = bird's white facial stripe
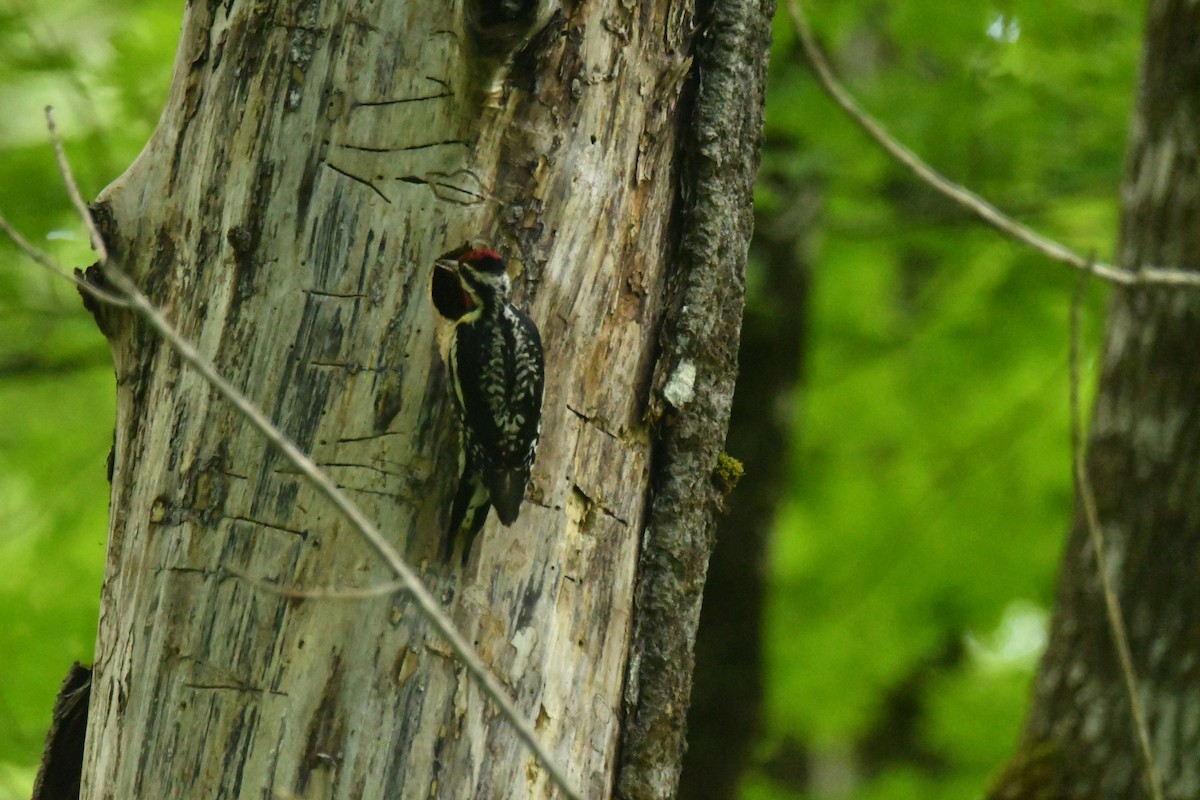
x: 499, y: 284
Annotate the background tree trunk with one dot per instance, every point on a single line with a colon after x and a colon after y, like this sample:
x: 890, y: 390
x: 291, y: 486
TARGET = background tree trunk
x: 1144, y: 464
x: 312, y: 161
x: 724, y: 719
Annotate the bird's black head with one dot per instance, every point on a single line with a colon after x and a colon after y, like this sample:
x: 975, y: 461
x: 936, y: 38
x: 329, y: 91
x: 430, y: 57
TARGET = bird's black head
x: 467, y: 280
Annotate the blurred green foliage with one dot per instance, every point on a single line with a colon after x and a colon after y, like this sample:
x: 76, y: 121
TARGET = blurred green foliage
x: 105, y: 67
x: 912, y: 568
x: 913, y: 563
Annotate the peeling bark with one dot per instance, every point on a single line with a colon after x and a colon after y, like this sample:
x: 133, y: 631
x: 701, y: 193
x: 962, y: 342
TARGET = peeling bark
x: 1144, y: 464
x: 312, y: 161
x: 58, y: 776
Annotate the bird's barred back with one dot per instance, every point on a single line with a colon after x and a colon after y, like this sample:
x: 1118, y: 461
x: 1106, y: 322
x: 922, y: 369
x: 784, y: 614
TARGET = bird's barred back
x: 498, y: 379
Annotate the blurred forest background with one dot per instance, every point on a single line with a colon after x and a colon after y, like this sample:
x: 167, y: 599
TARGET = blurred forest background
x: 884, y: 574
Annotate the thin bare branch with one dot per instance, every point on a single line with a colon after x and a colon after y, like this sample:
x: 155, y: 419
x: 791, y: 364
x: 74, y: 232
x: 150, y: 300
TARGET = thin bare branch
x: 965, y: 197
x: 25, y: 246
x: 1112, y: 605
x: 425, y: 603
x: 64, y: 169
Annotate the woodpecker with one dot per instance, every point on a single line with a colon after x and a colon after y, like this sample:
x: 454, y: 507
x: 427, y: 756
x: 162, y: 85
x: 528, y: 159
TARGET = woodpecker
x: 494, y: 356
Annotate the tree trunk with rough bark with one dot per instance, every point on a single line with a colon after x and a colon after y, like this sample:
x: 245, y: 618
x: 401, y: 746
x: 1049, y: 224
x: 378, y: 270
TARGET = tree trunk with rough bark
x: 313, y: 159
x: 1144, y: 464
x: 725, y: 716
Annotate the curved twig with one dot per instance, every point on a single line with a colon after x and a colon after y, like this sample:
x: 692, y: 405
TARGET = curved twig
x: 1064, y: 255
x: 965, y: 197
x: 1112, y: 605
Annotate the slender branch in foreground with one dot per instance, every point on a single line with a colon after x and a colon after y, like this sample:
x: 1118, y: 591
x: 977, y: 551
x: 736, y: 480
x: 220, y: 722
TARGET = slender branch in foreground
x: 64, y: 169
x: 25, y: 246
x: 1112, y: 605
x: 961, y: 195
x: 408, y: 581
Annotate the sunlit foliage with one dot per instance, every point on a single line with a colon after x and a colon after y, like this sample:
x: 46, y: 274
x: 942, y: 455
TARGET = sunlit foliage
x: 912, y: 566
x: 105, y: 67
x: 913, y: 560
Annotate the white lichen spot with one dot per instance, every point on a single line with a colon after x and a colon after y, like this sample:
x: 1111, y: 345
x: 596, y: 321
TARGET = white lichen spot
x: 681, y: 386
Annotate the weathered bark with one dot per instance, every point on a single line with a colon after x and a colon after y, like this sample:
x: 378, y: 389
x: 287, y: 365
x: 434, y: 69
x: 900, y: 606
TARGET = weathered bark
x: 1144, y: 463
x: 726, y: 708
x: 312, y: 161
x: 694, y: 382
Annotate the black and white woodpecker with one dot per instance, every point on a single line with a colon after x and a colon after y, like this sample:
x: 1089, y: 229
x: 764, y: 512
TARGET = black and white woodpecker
x: 493, y: 352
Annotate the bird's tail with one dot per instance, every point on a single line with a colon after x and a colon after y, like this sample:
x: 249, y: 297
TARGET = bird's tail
x: 507, y: 490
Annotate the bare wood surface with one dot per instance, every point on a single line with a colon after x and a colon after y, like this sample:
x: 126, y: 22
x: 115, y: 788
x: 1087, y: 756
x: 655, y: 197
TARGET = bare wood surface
x: 309, y: 166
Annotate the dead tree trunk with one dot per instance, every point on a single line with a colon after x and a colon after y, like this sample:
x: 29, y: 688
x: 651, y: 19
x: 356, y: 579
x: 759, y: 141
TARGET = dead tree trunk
x: 313, y: 159
x: 1144, y: 464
